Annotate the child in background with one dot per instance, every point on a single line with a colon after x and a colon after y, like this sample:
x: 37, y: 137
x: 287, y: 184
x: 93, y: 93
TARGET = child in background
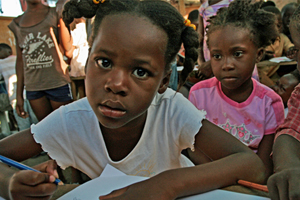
x: 232, y: 99
x: 130, y: 118
x: 8, y: 69
x: 40, y: 67
x: 284, y: 183
x: 79, y: 56
x: 286, y: 13
x: 282, y: 45
x: 285, y: 86
x: 207, y: 9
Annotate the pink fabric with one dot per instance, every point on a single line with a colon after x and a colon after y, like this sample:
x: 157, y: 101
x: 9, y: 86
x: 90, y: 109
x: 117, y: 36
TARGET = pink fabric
x: 248, y: 121
x: 206, y: 11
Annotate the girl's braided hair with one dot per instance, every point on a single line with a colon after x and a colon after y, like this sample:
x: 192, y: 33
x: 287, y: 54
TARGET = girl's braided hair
x: 160, y: 13
x: 247, y: 15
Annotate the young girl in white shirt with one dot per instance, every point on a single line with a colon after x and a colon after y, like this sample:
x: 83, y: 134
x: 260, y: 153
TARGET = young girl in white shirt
x: 130, y: 119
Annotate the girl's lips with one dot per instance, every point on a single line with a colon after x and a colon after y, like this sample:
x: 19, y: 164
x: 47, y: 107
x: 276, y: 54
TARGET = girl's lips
x: 111, y: 112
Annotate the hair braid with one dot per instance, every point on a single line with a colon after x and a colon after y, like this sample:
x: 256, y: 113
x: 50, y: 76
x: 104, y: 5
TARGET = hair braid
x: 160, y: 13
x: 247, y: 15
x: 191, y: 44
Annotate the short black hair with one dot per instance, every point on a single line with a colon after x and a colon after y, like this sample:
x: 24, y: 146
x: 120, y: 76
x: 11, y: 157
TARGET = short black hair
x: 268, y: 3
x: 194, y: 16
x: 272, y: 9
x: 162, y: 14
x: 296, y: 74
x: 247, y: 15
x: 5, y: 46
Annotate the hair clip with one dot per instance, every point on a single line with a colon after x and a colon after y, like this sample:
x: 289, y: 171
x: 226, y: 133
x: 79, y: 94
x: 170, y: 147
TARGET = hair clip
x: 98, y: 1
x: 187, y: 22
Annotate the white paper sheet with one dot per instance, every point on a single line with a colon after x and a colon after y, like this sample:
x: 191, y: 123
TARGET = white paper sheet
x: 280, y: 59
x: 112, y: 179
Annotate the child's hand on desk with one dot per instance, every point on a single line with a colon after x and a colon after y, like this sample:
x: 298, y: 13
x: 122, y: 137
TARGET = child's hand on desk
x: 285, y: 184
x: 26, y: 184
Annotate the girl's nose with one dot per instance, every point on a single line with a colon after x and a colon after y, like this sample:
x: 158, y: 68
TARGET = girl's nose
x: 117, y: 82
x: 227, y: 66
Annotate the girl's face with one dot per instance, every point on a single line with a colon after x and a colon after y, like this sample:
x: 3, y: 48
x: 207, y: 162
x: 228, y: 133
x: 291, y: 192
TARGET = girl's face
x: 286, y: 17
x: 125, y: 70
x: 233, y: 56
x: 296, y: 40
x: 285, y: 86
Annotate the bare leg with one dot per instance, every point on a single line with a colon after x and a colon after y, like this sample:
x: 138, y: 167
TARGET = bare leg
x: 80, y: 88
x: 41, y: 107
x: 55, y: 104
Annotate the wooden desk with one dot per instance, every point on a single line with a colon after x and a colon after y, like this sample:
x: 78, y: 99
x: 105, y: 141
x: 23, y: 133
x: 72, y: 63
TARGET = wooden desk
x: 62, y: 189
x: 267, y: 70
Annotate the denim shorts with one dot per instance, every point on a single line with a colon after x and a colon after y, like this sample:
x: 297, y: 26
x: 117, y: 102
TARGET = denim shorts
x: 60, y: 94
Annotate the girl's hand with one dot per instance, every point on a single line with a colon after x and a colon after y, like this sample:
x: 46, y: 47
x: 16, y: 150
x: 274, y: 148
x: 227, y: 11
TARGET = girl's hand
x: 149, y: 189
x: 48, y: 167
x: 26, y: 184
x: 285, y: 184
x: 20, y: 108
x: 291, y: 53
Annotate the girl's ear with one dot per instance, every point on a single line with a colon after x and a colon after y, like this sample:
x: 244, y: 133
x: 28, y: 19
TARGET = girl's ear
x: 260, y: 54
x: 164, y: 83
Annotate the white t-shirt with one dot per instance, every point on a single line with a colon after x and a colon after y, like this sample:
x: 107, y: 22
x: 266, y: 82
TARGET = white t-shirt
x: 72, y: 136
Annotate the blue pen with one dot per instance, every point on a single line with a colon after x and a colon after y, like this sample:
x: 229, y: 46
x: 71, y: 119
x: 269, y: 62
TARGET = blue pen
x: 21, y: 166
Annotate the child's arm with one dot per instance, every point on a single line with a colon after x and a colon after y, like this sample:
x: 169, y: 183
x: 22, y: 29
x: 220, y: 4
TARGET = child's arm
x: 25, y: 184
x: 232, y: 161
x: 284, y: 183
x: 20, y: 83
x: 264, y: 151
x: 65, y: 39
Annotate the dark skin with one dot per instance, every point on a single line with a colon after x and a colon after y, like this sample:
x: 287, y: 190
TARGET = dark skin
x: 120, y: 92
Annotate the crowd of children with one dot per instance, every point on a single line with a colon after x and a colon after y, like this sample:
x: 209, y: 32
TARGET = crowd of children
x: 132, y: 119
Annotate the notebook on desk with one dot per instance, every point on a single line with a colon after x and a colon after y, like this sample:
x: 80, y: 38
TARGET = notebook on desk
x: 112, y: 179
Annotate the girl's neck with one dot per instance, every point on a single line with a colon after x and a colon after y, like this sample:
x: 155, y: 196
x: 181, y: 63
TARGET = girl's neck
x: 120, y: 142
x: 241, y: 93
x: 35, y: 7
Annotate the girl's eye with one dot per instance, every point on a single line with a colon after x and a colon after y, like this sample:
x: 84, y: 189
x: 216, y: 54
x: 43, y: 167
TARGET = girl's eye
x: 103, y: 63
x: 140, y: 73
x: 238, y: 53
x: 217, y: 56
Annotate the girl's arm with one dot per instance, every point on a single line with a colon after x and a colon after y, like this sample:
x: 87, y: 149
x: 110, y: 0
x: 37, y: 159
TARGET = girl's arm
x: 65, y: 39
x: 232, y: 161
x: 264, y: 151
x: 284, y: 183
x: 20, y: 82
x: 24, y: 184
